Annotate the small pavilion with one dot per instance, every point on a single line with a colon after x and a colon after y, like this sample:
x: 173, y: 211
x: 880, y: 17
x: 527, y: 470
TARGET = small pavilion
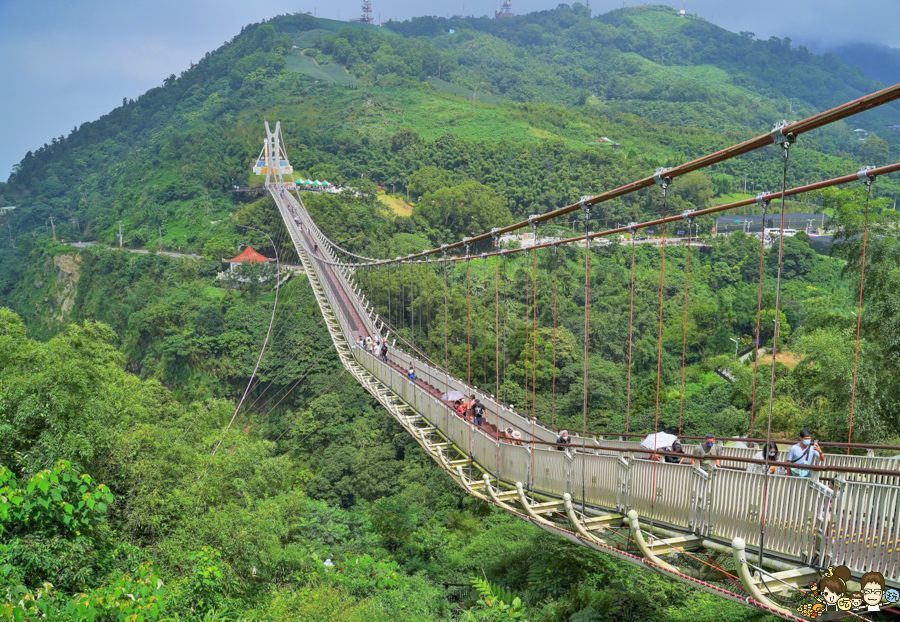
x: 247, y: 256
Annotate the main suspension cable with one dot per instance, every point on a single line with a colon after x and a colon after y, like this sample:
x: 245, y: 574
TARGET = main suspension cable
x: 837, y: 181
x: 837, y: 113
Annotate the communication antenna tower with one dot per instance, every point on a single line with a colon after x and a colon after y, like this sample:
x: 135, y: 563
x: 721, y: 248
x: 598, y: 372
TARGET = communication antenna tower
x: 366, y: 17
x: 505, y: 10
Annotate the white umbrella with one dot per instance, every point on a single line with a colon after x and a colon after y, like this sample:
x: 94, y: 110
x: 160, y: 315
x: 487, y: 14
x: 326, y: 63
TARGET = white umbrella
x: 659, y: 440
x: 452, y: 396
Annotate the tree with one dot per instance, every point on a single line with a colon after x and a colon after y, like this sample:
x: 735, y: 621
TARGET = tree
x: 428, y: 179
x: 875, y: 150
x: 404, y: 138
x: 799, y: 259
x: 218, y: 249
x: 695, y: 188
x: 460, y: 211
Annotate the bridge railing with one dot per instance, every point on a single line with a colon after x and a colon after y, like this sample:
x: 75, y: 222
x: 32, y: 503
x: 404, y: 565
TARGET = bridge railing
x: 719, y: 504
x: 886, y: 463
x: 856, y: 525
x: 794, y: 508
x: 604, y: 481
x: 661, y: 491
x: 863, y: 528
x: 443, y: 383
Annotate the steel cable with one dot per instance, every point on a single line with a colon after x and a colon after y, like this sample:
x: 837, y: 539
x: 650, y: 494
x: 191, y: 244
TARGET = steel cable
x: 785, y: 154
x: 862, y: 273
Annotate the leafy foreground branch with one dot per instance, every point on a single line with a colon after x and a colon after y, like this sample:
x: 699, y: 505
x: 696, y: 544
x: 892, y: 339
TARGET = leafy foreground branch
x: 57, y: 506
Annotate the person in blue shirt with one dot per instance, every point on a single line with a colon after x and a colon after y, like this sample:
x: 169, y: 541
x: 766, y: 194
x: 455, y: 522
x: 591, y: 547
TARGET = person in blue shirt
x: 804, y: 452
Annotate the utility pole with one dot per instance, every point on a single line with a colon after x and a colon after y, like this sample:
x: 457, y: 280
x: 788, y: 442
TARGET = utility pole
x: 11, y: 241
x: 160, y: 240
x: 53, y: 227
x: 120, y: 235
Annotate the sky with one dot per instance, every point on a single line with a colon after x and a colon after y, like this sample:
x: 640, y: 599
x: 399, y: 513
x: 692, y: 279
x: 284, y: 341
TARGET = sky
x: 63, y: 63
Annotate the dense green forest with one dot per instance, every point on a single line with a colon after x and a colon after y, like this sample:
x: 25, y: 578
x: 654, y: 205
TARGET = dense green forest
x: 139, y: 458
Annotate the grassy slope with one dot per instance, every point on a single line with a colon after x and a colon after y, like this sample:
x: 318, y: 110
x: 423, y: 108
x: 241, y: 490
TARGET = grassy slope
x: 397, y: 205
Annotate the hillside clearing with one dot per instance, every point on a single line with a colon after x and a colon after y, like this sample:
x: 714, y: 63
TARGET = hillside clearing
x: 396, y: 205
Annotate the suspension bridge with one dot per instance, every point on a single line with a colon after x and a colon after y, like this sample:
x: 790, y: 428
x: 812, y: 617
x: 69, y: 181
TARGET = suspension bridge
x: 606, y: 491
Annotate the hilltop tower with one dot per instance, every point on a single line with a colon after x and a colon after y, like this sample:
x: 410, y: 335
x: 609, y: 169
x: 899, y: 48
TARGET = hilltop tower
x: 505, y: 10
x: 366, y: 17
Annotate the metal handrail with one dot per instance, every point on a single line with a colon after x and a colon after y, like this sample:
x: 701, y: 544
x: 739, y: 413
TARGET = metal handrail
x: 757, y: 440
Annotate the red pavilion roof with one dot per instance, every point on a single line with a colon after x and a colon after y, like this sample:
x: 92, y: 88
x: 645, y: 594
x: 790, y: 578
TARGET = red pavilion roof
x: 249, y: 255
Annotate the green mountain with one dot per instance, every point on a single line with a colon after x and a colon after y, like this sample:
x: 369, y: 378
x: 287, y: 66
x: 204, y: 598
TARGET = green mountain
x: 132, y: 367
x: 549, y: 84
x: 878, y: 61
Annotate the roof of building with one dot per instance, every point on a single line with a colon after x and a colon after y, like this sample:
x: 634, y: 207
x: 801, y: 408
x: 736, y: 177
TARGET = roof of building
x: 249, y: 255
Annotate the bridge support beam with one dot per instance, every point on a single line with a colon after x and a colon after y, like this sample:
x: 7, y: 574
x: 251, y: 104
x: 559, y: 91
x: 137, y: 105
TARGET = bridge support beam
x: 494, y: 496
x: 738, y: 548
x: 578, y: 524
x: 768, y: 563
x: 527, y: 505
x: 465, y: 482
x: 635, y: 524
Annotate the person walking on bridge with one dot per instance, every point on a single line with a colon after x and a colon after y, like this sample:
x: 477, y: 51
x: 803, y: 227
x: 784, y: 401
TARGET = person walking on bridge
x: 470, y: 408
x: 563, y: 440
x: 478, y: 412
x: 708, y: 448
x: 804, y: 452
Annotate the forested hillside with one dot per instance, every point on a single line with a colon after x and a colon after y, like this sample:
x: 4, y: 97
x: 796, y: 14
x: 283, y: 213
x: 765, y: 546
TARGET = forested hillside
x: 127, y: 368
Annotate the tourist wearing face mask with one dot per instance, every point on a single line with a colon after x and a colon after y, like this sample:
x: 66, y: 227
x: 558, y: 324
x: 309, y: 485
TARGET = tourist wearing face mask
x: 804, y: 452
x: 708, y: 448
x: 772, y: 452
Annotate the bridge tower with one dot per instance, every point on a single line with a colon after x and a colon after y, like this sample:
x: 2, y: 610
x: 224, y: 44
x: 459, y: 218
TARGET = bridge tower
x: 276, y: 162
